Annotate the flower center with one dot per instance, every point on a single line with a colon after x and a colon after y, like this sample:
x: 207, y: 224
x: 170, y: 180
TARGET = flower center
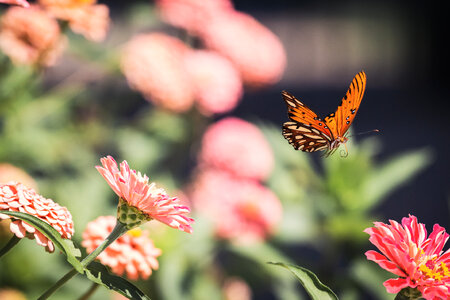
x: 135, y: 232
x: 433, y: 270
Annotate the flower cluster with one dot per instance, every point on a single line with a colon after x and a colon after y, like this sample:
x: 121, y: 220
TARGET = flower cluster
x: 252, y: 48
x: 171, y: 75
x: 233, y: 159
x: 133, y: 253
x: 31, y: 35
x: 15, y: 196
x: 237, y: 50
x: 418, y: 260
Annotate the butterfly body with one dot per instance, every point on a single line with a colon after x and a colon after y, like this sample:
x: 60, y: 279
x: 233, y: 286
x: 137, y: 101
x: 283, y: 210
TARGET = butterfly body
x: 307, y: 132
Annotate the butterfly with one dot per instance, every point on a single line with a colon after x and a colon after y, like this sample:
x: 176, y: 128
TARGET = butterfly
x: 307, y: 132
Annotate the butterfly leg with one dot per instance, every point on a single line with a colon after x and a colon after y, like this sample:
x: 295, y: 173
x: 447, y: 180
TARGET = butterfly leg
x: 344, y: 153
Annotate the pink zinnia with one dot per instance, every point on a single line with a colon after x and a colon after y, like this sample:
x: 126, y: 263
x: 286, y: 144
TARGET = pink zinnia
x: 83, y: 16
x: 191, y: 15
x: 15, y: 196
x: 216, y: 82
x: 133, y: 253
x: 241, y: 210
x: 154, y: 65
x: 256, y: 52
x: 417, y: 260
x: 9, y: 173
x: 238, y: 147
x: 22, y: 3
x: 30, y: 36
x: 133, y: 188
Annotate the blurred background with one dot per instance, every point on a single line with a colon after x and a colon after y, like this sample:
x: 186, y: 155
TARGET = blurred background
x: 188, y: 92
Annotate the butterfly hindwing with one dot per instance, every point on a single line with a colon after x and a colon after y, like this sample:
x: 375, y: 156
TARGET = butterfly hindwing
x: 304, y: 137
x: 340, y: 121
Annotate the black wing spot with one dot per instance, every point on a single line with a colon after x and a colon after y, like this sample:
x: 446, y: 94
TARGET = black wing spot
x: 353, y: 111
x: 348, y: 122
x: 320, y: 124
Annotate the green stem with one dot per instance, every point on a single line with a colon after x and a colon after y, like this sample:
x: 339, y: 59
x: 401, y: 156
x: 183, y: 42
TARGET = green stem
x: 408, y: 294
x: 89, y: 292
x: 12, y: 242
x: 118, y: 231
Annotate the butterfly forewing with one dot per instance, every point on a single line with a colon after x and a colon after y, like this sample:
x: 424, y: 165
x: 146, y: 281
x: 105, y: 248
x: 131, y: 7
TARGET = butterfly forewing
x: 340, y: 121
x: 298, y: 112
x: 305, y: 138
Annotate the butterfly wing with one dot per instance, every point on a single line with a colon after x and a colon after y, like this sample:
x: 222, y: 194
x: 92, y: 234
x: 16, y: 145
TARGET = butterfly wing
x: 306, y: 131
x: 340, y: 121
x: 305, y: 138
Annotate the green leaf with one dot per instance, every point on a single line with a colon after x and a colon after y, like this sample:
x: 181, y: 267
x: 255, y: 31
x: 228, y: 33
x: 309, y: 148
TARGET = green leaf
x: 99, y: 274
x: 316, y: 289
x: 66, y: 246
x: 394, y: 173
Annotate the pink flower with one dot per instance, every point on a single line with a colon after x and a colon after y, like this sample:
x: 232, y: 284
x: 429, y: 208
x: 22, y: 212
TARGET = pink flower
x: 154, y: 65
x: 30, y: 36
x: 241, y: 210
x: 9, y: 173
x: 191, y: 15
x: 15, y: 196
x: 257, y: 53
x: 83, y: 16
x: 216, y: 82
x: 133, y: 252
x: 238, y: 147
x: 22, y: 3
x: 236, y: 289
x: 11, y: 294
x: 134, y: 189
x: 417, y: 260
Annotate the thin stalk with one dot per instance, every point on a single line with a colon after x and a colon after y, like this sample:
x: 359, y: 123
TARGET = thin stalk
x: 12, y: 242
x: 118, y: 231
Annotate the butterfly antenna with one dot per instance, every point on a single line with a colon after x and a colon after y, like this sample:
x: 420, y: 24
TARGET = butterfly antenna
x: 365, y: 132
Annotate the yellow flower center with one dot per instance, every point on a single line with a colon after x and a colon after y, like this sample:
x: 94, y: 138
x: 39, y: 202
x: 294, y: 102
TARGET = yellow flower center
x: 135, y: 232
x: 433, y: 270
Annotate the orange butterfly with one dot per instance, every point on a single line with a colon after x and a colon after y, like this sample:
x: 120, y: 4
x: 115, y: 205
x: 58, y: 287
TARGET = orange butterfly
x: 309, y: 133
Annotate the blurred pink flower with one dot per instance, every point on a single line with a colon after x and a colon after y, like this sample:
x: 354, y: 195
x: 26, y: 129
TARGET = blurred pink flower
x: 238, y: 147
x: 236, y: 289
x: 133, y: 252
x: 216, y: 82
x: 417, y: 260
x: 22, y: 3
x: 15, y: 196
x: 191, y: 15
x: 134, y: 188
x: 257, y: 53
x: 11, y: 294
x: 154, y: 65
x: 9, y: 173
x: 83, y: 16
x: 30, y: 36
x: 242, y: 210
